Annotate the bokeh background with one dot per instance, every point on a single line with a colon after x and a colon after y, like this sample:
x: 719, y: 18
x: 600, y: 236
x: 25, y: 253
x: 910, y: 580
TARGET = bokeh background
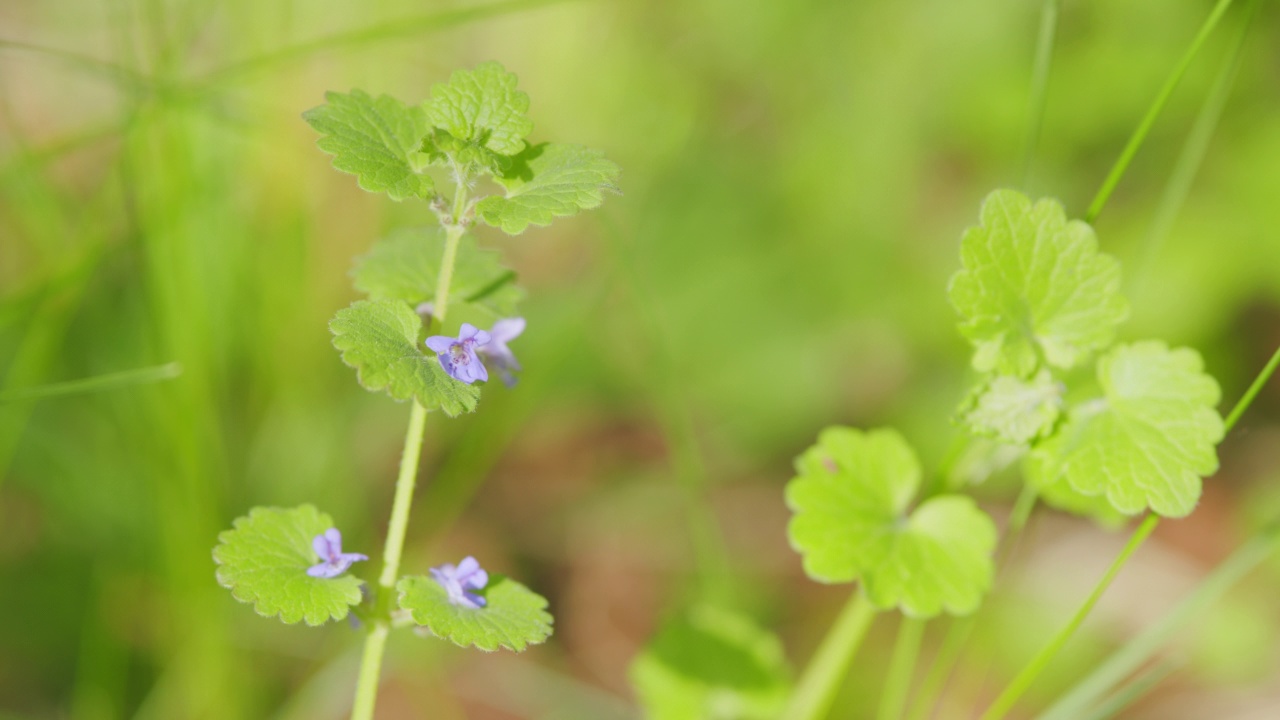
x: 796, y: 175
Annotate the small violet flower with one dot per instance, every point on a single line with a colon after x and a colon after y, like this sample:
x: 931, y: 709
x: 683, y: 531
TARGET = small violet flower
x: 459, y: 581
x: 458, y: 355
x: 497, y: 352
x: 333, y: 562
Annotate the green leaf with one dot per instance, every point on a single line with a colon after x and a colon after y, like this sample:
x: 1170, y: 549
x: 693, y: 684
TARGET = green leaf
x: 381, y: 340
x: 1147, y: 442
x: 406, y: 266
x: 482, y: 107
x: 549, y: 181
x: 377, y: 140
x: 1062, y: 496
x: 264, y: 561
x: 514, y: 616
x: 1034, y: 286
x: 712, y: 663
x: 1013, y: 410
x: 851, y: 522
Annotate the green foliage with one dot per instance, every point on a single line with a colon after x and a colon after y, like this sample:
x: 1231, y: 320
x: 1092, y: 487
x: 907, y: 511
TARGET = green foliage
x: 483, y: 108
x: 548, y: 181
x: 1034, y: 287
x: 514, y: 616
x: 851, y: 522
x: 405, y: 266
x: 264, y: 561
x: 712, y: 664
x: 1147, y: 442
x: 1013, y: 410
x: 377, y: 140
x: 381, y: 339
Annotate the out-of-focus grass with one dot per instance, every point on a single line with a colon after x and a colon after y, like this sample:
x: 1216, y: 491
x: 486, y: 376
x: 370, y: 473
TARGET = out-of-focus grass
x: 796, y: 176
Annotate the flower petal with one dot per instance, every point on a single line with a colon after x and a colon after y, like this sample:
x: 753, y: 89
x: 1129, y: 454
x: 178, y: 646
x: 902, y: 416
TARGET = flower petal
x: 440, y: 343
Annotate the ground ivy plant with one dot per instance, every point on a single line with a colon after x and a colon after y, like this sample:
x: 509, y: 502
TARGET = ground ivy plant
x: 438, y: 318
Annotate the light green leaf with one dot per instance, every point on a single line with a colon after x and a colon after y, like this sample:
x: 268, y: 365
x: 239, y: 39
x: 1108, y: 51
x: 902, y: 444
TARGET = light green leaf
x: 1034, y: 286
x: 482, y: 107
x: 406, y: 265
x: 1062, y: 496
x: 549, y: 181
x: 377, y: 140
x: 1013, y: 410
x: 514, y: 616
x: 381, y: 340
x: 712, y: 663
x: 1147, y: 442
x: 264, y: 561
x: 851, y: 522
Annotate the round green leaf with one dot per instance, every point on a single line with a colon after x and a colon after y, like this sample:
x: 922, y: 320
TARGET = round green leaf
x: 1147, y: 442
x: 514, y: 616
x: 1034, y: 285
x: 264, y: 561
x: 712, y: 663
x: 851, y: 522
x: 482, y: 106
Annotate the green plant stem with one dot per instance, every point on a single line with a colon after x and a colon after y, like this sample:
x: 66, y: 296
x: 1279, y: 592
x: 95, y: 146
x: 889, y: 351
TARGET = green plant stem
x: 1145, y: 645
x: 1023, y: 680
x: 1144, y: 127
x: 1193, y: 151
x: 1039, y: 84
x: 376, y: 641
x: 897, y: 685
x: 1247, y: 399
x: 830, y: 663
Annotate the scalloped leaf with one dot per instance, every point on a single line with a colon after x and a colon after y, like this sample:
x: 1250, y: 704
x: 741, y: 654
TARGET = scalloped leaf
x: 381, y: 340
x: 547, y: 181
x: 1147, y: 442
x: 1012, y: 410
x: 406, y: 266
x: 513, y: 618
x: 482, y: 107
x: 712, y: 663
x: 1034, y: 286
x: 377, y: 140
x: 851, y: 522
x: 264, y: 561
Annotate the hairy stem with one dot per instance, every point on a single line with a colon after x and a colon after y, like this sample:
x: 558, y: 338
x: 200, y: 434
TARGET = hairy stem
x: 1144, y: 127
x: 817, y: 687
x: 1022, y: 682
x: 893, y: 700
x: 376, y: 641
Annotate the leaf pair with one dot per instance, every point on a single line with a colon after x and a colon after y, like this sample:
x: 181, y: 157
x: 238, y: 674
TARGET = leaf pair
x: 853, y: 521
x: 1037, y: 295
x: 264, y: 558
x: 475, y: 124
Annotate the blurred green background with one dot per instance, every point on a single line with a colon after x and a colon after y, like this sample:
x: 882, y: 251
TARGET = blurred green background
x: 796, y: 175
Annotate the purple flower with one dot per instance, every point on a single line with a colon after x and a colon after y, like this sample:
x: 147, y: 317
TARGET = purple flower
x: 497, y: 352
x: 458, y: 355
x: 333, y: 562
x: 459, y: 581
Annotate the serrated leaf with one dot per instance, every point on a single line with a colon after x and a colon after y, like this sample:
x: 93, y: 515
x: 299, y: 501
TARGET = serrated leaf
x: 1034, y: 285
x: 1062, y: 496
x: 1147, y: 442
x: 381, y: 340
x: 406, y: 266
x: 851, y: 522
x: 514, y: 616
x: 377, y: 140
x: 483, y: 107
x: 264, y: 561
x: 712, y: 663
x: 548, y: 181
x: 1013, y: 410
